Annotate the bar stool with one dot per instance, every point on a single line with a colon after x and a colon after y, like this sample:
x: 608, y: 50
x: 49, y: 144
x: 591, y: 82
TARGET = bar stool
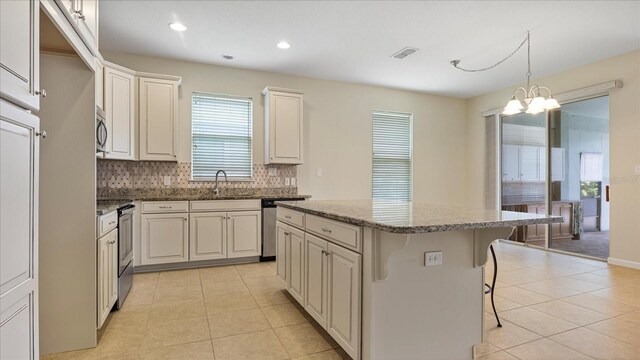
x: 491, y: 288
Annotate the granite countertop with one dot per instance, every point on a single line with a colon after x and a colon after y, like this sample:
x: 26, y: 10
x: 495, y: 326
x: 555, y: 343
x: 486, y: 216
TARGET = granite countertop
x: 193, y: 194
x: 412, y: 218
x: 107, y: 206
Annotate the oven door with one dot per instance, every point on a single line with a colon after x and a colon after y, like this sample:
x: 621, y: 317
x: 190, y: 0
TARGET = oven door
x: 125, y: 239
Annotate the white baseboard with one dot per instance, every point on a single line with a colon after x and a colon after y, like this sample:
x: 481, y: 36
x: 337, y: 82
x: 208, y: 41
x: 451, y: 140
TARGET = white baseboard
x: 625, y: 263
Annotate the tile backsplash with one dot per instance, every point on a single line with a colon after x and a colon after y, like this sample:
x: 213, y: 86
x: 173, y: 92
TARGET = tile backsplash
x: 117, y: 174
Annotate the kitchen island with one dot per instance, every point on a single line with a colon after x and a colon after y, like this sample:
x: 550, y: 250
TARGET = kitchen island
x: 358, y: 267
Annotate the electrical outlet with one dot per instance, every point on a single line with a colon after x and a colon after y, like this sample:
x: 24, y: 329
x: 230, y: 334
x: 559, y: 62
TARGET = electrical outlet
x: 432, y: 258
x: 637, y: 169
x: 318, y: 172
x: 167, y: 181
x: 287, y: 181
x: 273, y: 171
x: 293, y: 181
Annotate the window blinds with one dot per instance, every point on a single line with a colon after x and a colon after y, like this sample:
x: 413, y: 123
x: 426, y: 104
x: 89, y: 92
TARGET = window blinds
x: 221, y: 130
x: 392, y: 156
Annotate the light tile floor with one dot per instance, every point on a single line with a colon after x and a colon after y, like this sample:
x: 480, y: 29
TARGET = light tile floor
x: 559, y: 307
x: 552, y: 306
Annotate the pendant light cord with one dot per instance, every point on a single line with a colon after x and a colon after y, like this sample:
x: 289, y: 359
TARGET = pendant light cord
x: 527, y: 41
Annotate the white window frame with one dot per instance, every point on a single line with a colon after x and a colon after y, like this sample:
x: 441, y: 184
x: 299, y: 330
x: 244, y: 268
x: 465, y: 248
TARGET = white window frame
x: 218, y: 95
x: 394, y: 113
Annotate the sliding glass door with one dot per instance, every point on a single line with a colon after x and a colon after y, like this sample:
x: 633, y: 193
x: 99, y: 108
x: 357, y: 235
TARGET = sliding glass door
x: 557, y: 163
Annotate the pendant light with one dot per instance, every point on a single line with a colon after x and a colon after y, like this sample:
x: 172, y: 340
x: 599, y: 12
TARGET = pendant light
x: 528, y: 99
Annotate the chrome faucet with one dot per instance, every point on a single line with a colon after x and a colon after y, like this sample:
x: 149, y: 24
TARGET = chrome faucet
x: 216, y: 190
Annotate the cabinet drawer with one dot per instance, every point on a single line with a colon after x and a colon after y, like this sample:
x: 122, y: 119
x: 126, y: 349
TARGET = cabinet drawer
x: 107, y: 222
x: 150, y: 207
x: 225, y: 205
x: 291, y: 217
x: 349, y: 236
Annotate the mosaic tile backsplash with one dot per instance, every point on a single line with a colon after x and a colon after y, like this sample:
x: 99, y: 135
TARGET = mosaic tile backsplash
x: 115, y: 174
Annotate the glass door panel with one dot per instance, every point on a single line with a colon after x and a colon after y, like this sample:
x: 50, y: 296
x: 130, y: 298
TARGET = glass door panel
x: 579, y: 139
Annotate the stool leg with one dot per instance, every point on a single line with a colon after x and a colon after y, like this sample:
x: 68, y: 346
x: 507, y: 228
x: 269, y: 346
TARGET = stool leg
x: 493, y: 283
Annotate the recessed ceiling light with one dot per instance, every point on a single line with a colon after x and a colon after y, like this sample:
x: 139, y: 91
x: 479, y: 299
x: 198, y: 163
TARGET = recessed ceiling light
x: 283, y: 45
x: 177, y: 26
x: 228, y: 57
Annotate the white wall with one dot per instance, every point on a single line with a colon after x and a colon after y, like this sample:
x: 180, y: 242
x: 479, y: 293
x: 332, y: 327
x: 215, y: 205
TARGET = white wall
x: 624, y: 117
x: 337, y: 127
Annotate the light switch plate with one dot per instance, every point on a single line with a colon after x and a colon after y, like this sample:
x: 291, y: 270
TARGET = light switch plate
x: 167, y: 181
x: 287, y: 181
x: 318, y: 172
x: 433, y: 258
x: 637, y: 169
x: 273, y: 171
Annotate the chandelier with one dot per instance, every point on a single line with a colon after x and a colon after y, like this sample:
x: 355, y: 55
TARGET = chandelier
x: 529, y: 99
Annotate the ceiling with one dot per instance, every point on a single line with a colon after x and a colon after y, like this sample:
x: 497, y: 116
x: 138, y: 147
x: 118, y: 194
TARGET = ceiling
x: 353, y: 40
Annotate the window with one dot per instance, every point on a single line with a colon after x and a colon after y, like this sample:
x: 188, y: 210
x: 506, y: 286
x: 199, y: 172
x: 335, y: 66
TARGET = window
x: 392, y: 156
x: 221, y: 130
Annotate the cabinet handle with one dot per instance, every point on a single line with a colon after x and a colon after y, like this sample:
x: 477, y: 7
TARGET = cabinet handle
x: 80, y: 14
x: 287, y: 217
x: 185, y: 219
x: 326, y: 230
x: 287, y: 233
x: 164, y: 207
x: 112, y: 222
x: 42, y: 133
x: 42, y: 93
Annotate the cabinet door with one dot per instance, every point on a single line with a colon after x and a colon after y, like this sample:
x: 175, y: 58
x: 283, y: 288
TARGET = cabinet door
x: 510, y: 170
x: 158, y: 119
x: 104, y: 294
x: 282, y: 238
x: 208, y: 236
x: 17, y: 338
x: 296, y: 272
x: 343, y: 322
x: 165, y: 238
x: 315, y: 278
x: 119, y: 112
x: 20, y: 52
x: 244, y: 233
x: 285, y: 128
x: 112, y: 272
x: 542, y: 164
x: 18, y: 232
x: 87, y: 20
x: 529, y: 163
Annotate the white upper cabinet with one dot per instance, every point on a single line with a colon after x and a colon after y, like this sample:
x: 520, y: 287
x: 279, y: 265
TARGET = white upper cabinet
x: 529, y: 163
x: 283, y: 126
x: 158, y: 103
x: 20, y: 52
x: 510, y: 163
x: 557, y: 164
x: 83, y: 16
x: 119, y: 106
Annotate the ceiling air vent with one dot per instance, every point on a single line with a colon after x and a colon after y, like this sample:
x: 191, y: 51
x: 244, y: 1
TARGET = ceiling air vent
x: 404, y: 53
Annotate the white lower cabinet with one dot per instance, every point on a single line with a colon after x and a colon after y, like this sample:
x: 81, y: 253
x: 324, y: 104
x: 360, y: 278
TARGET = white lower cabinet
x: 315, y: 276
x: 16, y: 329
x: 326, y: 279
x: 296, y: 264
x: 244, y: 233
x: 107, y: 274
x: 208, y: 236
x: 165, y: 238
x: 343, y: 322
x: 282, y: 239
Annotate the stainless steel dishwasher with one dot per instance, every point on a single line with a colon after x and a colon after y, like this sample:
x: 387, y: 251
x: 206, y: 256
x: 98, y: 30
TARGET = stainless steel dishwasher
x: 269, y: 227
